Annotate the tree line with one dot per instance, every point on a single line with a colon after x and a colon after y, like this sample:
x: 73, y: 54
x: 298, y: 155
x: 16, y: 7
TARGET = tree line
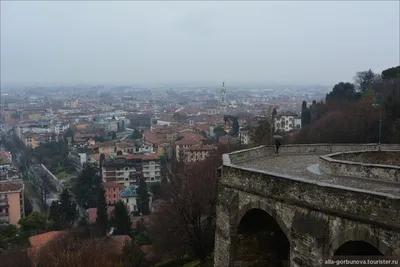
x: 348, y: 114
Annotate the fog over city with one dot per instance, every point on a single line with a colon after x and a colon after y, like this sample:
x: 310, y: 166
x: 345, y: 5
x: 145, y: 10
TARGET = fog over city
x: 196, y: 42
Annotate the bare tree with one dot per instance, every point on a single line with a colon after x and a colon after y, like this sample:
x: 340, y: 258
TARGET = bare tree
x: 186, y: 220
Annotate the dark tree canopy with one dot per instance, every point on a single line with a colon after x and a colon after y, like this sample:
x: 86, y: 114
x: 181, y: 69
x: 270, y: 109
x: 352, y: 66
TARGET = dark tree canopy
x: 67, y: 209
x: 342, y: 92
x: 143, y: 192
x: 102, y: 223
x: 122, y: 220
x: 87, y: 186
x: 391, y: 73
x: 55, y: 216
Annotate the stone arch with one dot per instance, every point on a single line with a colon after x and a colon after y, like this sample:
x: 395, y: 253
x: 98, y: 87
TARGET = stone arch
x: 261, y: 237
x: 357, y: 234
x: 270, y: 211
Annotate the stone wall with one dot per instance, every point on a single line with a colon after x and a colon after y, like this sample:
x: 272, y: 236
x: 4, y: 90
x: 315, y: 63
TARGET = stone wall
x: 313, y: 235
x: 316, y: 218
x: 371, y: 207
x: 261, y: 151
x: 331, y: 165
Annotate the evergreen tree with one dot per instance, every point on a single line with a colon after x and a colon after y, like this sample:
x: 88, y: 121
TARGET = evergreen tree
x: 67, y: 209
x: 87, y: 186
x: 122, y: 220
x: 235, y: 126
x: 102, y: 223
x: 274, y: 112
x: 143, y: 193
x: 54, y: 215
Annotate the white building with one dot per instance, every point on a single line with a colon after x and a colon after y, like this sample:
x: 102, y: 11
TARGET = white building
x: 244, y: 137
x: 287, y: 122
x: 130, y: 197
x: 60, y: 128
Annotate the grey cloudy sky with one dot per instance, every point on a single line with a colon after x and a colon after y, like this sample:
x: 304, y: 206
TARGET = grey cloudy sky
x: 187, y: 41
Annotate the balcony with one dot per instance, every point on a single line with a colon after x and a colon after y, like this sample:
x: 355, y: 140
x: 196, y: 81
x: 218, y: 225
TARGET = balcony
x: 4, y: 202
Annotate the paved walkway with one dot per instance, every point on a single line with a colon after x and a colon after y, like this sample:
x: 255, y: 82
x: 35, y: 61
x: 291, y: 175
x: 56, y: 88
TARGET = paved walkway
x: 305, y: 166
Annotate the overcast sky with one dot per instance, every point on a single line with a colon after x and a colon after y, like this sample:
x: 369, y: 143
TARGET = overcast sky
x: 203, y: 42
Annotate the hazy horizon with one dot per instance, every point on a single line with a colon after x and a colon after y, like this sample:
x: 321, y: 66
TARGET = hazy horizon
x: 196, y: 43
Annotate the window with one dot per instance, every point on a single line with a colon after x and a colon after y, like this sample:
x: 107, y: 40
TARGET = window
x: 114, y: 195
x: 127, y: 200
x: 114, y: 189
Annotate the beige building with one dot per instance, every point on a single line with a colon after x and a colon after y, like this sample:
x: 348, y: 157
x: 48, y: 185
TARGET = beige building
x: 198, y: 153
x: 182, y: 145
x: 11, y: 202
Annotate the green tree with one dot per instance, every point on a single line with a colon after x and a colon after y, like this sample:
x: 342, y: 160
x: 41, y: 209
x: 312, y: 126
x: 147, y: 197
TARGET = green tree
x: 54, y: 215
x: 274, y: 112
x: 35, y: 223
x: 391, y: 73
x: 143, y: 192
x: 122, y: 220
x: 27, y: 205
x: 67, y: 209
x: 8, y: 235
x: 102, y: 223
x: 342, y: 92
x: 219, y: 132
x: 235, y: 126
x: 87, y: 186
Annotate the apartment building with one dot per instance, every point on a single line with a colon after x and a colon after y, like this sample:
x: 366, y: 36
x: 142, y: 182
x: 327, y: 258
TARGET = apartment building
x: 287, y: 122
x: 129, y: 169
x: 184, y: 144
x: 11, y: 202
x: 198, y: 153
x: 113, y: 190
x: 244, y: 137
x: 34, y: 140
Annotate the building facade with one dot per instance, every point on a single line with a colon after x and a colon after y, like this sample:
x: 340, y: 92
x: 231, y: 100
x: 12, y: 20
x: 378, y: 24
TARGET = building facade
x: 11, y: 202
x: 198, y: 153
x: 287, y: 122
x: 129, y: 169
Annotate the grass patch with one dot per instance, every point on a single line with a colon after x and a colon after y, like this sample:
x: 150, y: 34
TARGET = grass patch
x: 63, y: 175
x: 192, y: 263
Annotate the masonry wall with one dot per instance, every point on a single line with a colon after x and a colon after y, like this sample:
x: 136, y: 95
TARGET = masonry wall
x: 358, y: 169
x: 307, y: 149
x: 313, y: 234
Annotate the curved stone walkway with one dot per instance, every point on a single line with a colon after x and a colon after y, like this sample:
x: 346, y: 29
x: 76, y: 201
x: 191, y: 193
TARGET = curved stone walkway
x: 306, y: 166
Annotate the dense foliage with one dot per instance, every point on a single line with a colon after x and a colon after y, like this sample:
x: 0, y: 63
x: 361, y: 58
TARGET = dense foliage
x: 351, y: 112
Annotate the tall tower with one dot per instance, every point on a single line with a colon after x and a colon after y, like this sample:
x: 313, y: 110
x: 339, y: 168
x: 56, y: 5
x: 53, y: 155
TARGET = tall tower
x: 222, y: 97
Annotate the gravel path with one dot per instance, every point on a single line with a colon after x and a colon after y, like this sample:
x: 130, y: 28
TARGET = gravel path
x: 296, y: 165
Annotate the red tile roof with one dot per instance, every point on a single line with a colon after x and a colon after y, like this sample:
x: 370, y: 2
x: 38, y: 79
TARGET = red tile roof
x: 138, y: 156
x: 43, y: 239
x: 9, y: 187
x: 188, y: 142
x: 201, y: 148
